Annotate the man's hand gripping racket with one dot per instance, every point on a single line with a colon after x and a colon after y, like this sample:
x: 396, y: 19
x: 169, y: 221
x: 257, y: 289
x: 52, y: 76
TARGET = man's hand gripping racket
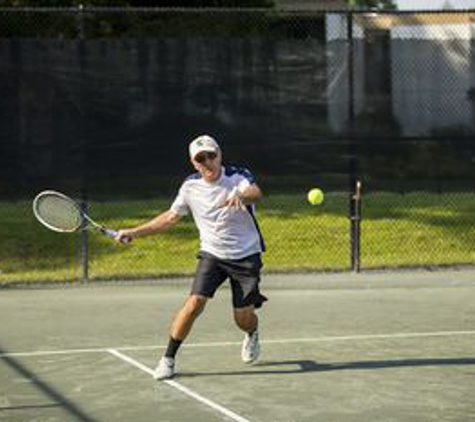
x: 60, y: 213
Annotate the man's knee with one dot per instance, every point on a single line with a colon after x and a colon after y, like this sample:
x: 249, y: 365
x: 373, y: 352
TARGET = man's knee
x: 194, y: 305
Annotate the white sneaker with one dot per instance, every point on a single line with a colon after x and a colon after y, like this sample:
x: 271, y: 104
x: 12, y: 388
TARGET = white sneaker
x: 165, y: 368
x: 250, y: 347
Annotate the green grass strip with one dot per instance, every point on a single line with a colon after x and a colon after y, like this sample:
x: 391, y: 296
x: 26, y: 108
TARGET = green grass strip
x: 417, y: 229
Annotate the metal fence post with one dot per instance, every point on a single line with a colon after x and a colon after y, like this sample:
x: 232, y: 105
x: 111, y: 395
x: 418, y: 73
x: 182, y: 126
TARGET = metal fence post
x: 84, y: 173
x: 355, y: 219
x: 352, y: 159
x: 84, y: 246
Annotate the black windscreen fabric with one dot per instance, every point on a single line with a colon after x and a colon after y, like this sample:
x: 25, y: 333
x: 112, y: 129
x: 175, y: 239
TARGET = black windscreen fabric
x: 108, y: 111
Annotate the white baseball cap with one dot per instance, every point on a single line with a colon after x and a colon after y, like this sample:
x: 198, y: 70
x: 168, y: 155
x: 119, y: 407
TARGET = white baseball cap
x: 203, y: 143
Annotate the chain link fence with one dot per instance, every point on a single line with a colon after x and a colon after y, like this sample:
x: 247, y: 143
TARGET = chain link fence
x: 101, y: 103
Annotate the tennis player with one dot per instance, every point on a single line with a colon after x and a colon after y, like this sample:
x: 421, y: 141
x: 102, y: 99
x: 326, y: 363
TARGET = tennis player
x: 221, y: 200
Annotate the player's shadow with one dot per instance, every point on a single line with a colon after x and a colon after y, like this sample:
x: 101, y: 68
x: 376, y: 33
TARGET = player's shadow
x: 310, y: 366
x: 47, y: 390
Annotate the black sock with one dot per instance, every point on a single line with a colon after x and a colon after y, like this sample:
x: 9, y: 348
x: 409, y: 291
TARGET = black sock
x: 173, y: 346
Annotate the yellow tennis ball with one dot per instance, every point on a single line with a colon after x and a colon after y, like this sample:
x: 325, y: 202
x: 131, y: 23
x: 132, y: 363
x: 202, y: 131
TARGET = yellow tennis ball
x: 315, y: 196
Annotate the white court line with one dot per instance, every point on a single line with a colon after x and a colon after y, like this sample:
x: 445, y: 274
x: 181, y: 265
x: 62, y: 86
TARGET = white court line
x: 183, y: 389
x: 234, y: 343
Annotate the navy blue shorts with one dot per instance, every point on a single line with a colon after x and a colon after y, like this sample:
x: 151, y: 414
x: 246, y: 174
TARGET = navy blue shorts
x: 243, y: 275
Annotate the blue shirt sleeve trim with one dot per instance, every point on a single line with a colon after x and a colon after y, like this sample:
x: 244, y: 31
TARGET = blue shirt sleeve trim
x: 242, y: 171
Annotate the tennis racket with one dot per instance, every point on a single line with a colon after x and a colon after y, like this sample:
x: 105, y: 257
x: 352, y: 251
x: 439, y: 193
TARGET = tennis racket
x: 62, y: 214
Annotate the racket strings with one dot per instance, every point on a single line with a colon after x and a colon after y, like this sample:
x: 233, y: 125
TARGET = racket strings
x: 59, y: 213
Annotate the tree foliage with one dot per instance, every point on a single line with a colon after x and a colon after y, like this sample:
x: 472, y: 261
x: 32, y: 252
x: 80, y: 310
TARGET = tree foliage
x: 373, y: 4
x: 137, y: 3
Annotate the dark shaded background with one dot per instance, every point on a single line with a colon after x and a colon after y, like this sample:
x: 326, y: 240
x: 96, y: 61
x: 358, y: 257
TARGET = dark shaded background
x: 106, y: 101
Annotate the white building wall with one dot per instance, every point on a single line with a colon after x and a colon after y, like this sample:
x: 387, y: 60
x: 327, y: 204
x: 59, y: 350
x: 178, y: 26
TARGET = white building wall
x: 432, y: 71
x: 431, y: 77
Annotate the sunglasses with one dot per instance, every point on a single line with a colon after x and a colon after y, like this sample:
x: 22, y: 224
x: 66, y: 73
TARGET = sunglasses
x: 201, y: 158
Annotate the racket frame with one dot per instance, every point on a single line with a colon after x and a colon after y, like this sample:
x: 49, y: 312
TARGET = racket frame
x: 86, y: 221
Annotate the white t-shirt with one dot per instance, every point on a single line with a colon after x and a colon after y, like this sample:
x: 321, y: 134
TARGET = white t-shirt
x: 224, y: 232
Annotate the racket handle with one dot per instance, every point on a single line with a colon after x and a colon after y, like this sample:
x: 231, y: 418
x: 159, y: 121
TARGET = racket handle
x: 113, y: 234
x: 109, y: 233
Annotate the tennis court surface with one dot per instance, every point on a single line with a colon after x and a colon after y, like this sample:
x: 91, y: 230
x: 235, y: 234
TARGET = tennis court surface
x: 336, y: 347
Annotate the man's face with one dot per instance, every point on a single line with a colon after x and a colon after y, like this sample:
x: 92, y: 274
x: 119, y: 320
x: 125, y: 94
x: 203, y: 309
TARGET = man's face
x: 208, y: 164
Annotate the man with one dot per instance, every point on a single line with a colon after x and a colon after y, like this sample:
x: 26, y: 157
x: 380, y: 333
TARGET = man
x: 221, y: 200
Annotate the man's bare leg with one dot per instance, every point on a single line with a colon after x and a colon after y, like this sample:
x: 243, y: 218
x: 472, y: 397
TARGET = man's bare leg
x: 179, y: 330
